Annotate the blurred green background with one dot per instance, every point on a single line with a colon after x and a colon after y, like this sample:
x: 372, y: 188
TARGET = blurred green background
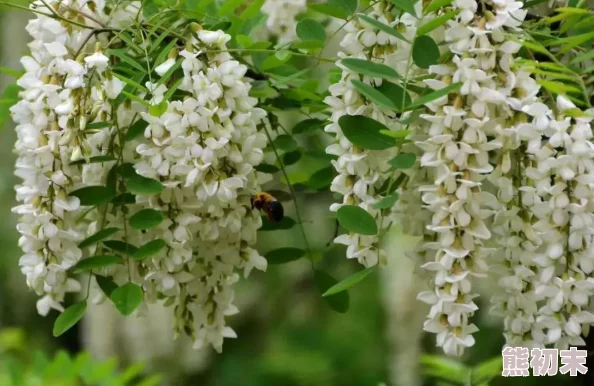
x: 287, y: 334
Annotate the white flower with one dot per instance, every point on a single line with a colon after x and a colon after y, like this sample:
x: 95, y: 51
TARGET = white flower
x: 281, y: 21
x: 165, y: 66
x: 97, y: 61
x: 113, y: 87
x: 46, y: 303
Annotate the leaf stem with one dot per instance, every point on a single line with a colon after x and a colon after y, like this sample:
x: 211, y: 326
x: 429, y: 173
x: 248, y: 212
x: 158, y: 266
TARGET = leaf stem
x: 297, y: 212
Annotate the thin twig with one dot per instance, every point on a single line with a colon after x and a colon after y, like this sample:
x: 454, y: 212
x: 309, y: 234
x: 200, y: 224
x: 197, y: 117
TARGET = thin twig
x: 294, y: 196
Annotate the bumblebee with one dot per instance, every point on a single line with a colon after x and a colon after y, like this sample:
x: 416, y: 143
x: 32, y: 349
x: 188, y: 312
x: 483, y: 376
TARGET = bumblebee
x: 270, y: 205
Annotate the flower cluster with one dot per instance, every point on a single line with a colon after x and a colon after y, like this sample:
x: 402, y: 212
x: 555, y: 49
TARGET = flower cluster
x: 57, y: 101
x: 363, y: 173
x: 510, y: 188
x: 561, y: 171
x: 204, y: 149
x: 166, y: 175
x: 460, y: 152
x: 282, y: 14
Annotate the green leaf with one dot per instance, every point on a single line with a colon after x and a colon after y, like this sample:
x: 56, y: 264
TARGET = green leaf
x: 407, y: 6
x: 273, y: 61
x: 398, y: 95
x: 266, y: 168
x: 403, y: 161
x: 129, y: 60
x: 374, y: 70
x: 558, y: 87
x: 338, y: 302
x: 124, y: 199
x: 149, y: 249
x: 532, y: 3
x: 11, y: 72
x: 244, y: 41
x: 98, y: 236
x: 321, y: 155
x: 126, y: 170
x: 329, y: 10
x: 284, y: 224
x: 120, y: 246
x: 357, y: 220
x: 308, y: 45
x: 130, y: 82
x: 436, y: 23
x: 321, y: 179
x: 107, y: 285
x: 434, y: 95
x: 172, y: 89
x: 574, y: 41
x: 536, y: 47
x: 98, y: 125
x: 93, y: 195
x: 136, y: 129
x: 396, y: 134
x: 301, y: 94
x: 96, y: 262
x: 69, y: 318
x: 143, y: 185
x: 252, y: 10
x: 146, y: 219
x: 350, y: 281
x: 285, y: 142
x: 309, y: 29
x: 133, y: 372
x: 486, y: 371
x: 136, y: 98
x: 411, y: 118
x: 425, y: 52
x: 284, y: 255
x: 381, y: 26
x: 436, y: 5
x: 158, y: 110
x: 444, y: 368
x: 308, y: 126
x: 93, y: 160
x: 165, y: 51
x: 373, y: 94
x: 296, y: 76
x: 153, y: 380
x: 386, y: 202
x: 588, y: 55
x: 127, y: 298
x: 296, y: 178
x: 228, y: 7
x: 364, y: 132
x: 292, y: 157
x: 130, y: 43
x: 348, y: 6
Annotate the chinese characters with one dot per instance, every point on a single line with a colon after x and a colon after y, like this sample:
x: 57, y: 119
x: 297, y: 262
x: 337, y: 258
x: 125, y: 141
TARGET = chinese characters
x: 517, y: 362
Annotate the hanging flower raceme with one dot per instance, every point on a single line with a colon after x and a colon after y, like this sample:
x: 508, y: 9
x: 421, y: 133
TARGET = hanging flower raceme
x: 562, y: 170
x: 282, y: 17
x: 363, y: 174
x: 143, y: 180
x: 204, y: 149
x: 458, y: 149
x: 59, y: 97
